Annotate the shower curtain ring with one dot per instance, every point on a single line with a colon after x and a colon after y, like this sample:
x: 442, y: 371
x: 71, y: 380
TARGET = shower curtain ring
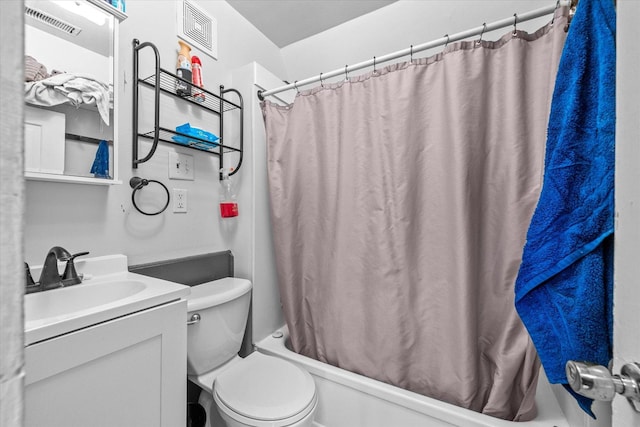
x: 515, y: 22
x: 346, y: 73
x: 295, y: 84
x: 484, y: 27
x: 446, y: 43
x: 374, y: 65
x: 411, y: 54
x: 321, y: 82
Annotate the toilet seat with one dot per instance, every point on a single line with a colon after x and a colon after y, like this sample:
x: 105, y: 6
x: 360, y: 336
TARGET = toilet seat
x: 263, y: 390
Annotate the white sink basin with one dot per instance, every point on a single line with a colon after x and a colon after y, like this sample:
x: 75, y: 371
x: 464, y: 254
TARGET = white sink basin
x: 113, y: 292
x: 73, y: 299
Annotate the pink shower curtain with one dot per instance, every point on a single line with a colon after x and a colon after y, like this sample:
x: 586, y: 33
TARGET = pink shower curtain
x: 400, y: 203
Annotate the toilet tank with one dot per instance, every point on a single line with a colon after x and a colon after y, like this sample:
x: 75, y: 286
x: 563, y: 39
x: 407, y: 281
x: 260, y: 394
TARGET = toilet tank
x: 223, y: 306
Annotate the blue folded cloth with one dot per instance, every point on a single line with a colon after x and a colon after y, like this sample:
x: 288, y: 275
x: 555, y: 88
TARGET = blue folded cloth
x: 100, y: 167
x: 202, y: 136
x: 564, y: 289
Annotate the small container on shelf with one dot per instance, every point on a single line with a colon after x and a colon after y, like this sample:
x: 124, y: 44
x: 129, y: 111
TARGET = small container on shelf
x: 196, y: 70
x: 183, y: 70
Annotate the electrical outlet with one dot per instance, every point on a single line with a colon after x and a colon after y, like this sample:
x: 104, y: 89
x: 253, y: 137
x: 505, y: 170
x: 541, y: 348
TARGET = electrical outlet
x: 179, y: 200
x: 181, y: 166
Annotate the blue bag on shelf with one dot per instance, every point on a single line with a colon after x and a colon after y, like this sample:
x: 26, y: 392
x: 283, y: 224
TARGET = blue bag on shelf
x: 202, y: 135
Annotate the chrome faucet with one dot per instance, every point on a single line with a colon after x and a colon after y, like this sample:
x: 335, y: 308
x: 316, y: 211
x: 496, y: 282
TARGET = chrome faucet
x: 50, y: 277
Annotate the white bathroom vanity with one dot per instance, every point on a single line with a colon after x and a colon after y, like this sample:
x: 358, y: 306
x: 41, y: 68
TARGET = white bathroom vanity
x: 108, y: 352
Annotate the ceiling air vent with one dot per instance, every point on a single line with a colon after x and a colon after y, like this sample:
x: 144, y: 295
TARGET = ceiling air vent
x: 197, y: 27
x: 51, y: 20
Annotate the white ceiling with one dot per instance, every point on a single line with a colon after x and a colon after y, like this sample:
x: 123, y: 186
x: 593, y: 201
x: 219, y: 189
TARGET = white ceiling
x: 288, y: 21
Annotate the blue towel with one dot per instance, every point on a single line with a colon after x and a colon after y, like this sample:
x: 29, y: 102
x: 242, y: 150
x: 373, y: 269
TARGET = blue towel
x: 100, y: 167
x: 564, y: 289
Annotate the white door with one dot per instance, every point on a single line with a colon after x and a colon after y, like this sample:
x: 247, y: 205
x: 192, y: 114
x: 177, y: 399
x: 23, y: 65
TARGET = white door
x: 626, y: 334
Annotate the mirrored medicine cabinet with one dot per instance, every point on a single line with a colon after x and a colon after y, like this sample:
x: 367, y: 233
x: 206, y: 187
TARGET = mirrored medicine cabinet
x: 71, y: 120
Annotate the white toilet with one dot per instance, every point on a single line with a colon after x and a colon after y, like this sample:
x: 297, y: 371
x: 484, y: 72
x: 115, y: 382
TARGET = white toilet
x: 258, y: 390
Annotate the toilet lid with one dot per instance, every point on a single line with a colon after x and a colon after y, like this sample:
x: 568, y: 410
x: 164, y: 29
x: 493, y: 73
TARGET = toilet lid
x: 265, y: 388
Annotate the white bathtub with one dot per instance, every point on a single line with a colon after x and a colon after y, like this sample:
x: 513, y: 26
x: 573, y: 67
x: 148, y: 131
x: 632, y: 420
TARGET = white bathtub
x: 351, y: 400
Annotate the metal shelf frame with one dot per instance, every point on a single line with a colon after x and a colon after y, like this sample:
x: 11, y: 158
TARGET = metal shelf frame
x: 163, y: 81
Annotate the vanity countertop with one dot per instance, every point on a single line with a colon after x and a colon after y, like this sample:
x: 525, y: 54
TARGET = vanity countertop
x: 110, y: 292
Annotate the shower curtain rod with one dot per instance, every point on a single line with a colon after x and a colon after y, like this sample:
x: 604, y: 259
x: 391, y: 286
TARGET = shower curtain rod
x: 514, y: 20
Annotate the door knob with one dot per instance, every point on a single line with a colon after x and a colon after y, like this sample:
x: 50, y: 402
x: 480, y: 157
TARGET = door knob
x: 597, y: 382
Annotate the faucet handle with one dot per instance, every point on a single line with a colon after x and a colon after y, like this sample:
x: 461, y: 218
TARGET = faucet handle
x: 32, y: 286
x: 72, y: 257
x: 70, y: 276
x: 30, y: 281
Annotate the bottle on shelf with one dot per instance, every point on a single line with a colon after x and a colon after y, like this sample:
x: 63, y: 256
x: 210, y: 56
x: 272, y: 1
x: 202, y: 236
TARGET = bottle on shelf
x: 228, y: 199
x: 196, y: 70
x: 183, y: 70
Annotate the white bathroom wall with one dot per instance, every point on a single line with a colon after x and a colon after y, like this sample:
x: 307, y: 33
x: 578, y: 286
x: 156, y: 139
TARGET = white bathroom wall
x: 101, y: 219
x: 76, y: 59
x: 398, y: 26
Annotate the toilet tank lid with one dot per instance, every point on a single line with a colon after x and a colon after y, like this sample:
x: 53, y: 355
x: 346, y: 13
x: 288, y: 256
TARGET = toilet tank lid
x: 216, y: 292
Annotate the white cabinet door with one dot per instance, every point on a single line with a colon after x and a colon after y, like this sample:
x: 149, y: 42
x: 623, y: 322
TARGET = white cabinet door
x: 43, y: 140
x: 129, y: 371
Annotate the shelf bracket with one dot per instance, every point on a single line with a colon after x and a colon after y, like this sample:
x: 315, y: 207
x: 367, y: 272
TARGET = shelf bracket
x: 137, y: 46
x: 223, y: 91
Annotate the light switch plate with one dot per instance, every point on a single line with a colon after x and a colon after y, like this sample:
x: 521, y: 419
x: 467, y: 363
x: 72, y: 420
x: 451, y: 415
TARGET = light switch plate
x: 181, y: 166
